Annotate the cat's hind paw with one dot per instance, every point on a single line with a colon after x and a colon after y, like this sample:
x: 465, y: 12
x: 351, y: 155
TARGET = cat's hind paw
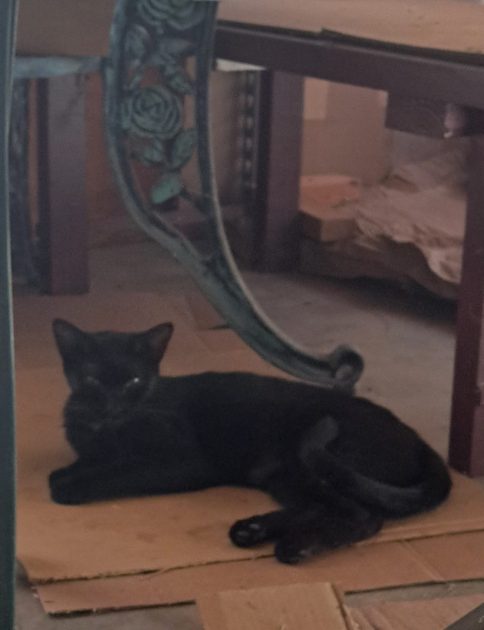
x: 290, y: 550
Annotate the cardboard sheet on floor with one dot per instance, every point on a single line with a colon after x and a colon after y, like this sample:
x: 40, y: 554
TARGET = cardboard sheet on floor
x: 430, y: 614
x: 360, y: 568
x: 308, y: 606
x: 157, y: 550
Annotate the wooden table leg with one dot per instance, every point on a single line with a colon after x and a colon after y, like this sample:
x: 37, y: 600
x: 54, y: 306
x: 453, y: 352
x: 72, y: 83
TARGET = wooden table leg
x: 466, y: 449
x: 276, y: 200
x: 62, y: 196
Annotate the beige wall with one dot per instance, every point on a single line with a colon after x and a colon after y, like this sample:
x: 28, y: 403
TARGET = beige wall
x: 344, y: 131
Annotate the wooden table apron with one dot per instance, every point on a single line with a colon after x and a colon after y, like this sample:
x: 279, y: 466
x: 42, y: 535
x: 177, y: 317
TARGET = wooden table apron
x: 421, y: 74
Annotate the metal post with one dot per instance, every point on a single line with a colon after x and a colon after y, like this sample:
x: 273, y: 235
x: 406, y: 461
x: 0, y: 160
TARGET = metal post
x: 7, y: 411
x: 467, y: 421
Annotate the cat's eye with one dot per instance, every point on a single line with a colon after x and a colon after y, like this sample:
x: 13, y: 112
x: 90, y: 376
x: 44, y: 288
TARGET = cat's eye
x: 133, y: 384
x: 133, y: 389
x: 90, y: 381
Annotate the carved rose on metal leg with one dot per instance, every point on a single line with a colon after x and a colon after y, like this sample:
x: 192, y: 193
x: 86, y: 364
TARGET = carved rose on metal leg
x: 179, y: 14
x: 137, y: 43
x: 152, y: 115
x: 153, y: 111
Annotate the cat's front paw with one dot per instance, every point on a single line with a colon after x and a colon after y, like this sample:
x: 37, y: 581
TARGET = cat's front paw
x: 249, y: 532
x: 58, y: 474
x: 67, y: 490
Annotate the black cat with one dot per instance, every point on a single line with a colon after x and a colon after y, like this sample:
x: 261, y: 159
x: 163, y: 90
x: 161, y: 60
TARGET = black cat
x: 338, y: 464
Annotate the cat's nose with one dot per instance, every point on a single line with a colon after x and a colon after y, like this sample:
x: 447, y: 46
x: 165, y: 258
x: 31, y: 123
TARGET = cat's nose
x: 114, y: 408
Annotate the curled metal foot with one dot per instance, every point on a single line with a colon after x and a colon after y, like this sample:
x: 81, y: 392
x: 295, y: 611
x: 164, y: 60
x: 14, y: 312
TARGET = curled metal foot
x: 160, y: 58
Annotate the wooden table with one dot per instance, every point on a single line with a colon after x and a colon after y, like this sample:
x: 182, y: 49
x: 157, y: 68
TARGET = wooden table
x: 426, y: 54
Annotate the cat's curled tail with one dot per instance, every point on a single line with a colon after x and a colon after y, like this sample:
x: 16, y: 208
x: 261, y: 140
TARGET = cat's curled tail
x: 391, y: 500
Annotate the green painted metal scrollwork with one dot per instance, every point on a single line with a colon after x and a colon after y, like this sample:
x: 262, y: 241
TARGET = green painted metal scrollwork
x: 160, y: 59
x: 152, y: 115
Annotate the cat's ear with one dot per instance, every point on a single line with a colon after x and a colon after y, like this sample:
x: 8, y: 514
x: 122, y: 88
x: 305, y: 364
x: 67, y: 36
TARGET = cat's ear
x: 154, y: 341
x: 70, y: 339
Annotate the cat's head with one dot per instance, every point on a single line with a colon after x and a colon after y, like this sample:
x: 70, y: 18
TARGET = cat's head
x: 123, y: 365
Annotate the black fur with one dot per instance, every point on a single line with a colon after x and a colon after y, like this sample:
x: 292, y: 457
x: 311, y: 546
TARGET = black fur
x: 337, y: 464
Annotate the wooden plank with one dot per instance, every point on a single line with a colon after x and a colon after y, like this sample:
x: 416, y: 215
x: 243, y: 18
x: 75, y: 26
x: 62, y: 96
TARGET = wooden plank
x: 443, y: 25
x: 432, y: 118
x: 324, y: 216
x: 361, y: 64
x: 63, y: 27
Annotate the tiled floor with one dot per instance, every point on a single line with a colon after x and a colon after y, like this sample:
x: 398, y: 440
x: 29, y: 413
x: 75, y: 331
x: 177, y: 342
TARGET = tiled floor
x: 407, y: 342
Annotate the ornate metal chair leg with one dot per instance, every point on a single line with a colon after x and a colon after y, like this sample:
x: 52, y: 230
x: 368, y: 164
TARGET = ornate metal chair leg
x: 154, y: 43
x: 7, y: 414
